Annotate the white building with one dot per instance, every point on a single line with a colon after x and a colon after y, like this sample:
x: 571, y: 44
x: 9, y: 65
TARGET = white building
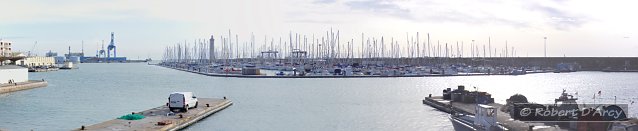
x: 36, y: 61
x: 12, y: 72
x: 5, y: 48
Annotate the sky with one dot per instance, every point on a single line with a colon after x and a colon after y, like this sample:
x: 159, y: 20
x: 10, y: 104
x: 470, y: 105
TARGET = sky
x: 143, y: 28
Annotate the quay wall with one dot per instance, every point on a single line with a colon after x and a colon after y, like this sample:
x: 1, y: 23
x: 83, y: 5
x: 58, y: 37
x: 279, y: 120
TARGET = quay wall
x: 5, y: 88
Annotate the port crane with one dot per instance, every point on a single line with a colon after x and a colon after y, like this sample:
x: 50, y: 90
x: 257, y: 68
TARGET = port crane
x: 111, y: 47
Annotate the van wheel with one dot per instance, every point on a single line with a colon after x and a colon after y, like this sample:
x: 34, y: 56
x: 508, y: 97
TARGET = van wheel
x: 186, y: 108
x: 196, y: 103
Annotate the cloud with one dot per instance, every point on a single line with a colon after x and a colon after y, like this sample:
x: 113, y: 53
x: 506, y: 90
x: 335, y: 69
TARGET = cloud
x: 324, y: 1
x: 380, y: 7
x: 313, y: 21
x: 557, y: 18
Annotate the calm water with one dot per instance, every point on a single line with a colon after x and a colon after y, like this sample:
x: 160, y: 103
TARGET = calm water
x: 100, y: 92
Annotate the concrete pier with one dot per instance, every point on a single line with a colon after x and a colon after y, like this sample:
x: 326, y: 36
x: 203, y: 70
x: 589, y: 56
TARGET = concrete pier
x: 6, y: 87
x: 155, y: 116
x: 437, y: 102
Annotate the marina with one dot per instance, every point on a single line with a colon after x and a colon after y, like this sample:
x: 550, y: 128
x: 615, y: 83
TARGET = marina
x: 322, y: 104
x: 328, y: 76
x: 318, y: 65
x: 162, y: 119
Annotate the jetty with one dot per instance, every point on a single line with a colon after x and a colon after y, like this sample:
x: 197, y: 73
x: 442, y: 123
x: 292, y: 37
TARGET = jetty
x: 437, y: 102
x: 11, y: 87
x: 161, y: 118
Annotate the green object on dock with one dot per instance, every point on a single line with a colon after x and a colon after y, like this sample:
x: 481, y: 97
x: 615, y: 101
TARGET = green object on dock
x: 132, y: 117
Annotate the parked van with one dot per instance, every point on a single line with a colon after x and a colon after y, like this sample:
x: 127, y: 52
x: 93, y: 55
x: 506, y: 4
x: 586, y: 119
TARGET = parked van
x: 182, y: 101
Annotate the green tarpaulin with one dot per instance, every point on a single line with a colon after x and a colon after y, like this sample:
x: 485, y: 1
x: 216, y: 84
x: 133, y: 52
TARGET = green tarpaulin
x: 132, y: 117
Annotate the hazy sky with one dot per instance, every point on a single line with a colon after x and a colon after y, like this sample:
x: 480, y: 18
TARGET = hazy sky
x: 143, y: 28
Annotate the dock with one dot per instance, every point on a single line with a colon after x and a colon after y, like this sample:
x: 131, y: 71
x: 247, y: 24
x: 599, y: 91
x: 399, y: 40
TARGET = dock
x: 18, y: 86
x: 158, y: 118
x: 437, y: 102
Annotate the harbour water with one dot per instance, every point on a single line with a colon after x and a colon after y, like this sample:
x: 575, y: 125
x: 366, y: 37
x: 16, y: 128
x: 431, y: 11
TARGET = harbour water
x: 100, y: 92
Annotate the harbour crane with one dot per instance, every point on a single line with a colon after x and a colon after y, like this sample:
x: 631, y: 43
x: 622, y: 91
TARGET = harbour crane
x: 111, y: 47
x: 32, y: 48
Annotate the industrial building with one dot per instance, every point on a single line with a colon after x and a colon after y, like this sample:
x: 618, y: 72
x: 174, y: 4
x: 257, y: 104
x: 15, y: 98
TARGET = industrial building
x: 36, y: 61
x: 51, y: 54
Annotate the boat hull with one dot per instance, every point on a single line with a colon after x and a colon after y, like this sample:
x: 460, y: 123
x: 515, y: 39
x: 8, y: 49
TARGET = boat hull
x: 461, y: 125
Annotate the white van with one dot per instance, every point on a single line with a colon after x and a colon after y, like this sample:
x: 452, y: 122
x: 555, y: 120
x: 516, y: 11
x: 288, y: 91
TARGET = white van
x: 182, y: 101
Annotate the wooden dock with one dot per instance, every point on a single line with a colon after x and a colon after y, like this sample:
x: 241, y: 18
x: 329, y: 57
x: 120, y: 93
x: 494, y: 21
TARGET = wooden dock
x: 18, y: 86
x: 155, y: 116
x: 437, y: 102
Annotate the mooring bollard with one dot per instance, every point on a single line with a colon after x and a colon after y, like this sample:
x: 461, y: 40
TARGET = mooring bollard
x: 207, y: 105
x: 224, y: 97
x: 82, y: 128
x: 430, y: 96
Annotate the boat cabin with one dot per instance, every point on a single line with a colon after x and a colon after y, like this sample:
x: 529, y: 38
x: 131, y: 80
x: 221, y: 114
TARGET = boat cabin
x: 486, y: 117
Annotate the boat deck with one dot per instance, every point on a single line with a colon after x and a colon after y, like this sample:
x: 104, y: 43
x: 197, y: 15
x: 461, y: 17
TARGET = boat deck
x: 206, y: 107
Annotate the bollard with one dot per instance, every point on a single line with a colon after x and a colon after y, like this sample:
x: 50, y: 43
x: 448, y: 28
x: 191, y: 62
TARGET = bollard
x: 82, y: 128
x: 224, y: 97
x: 207, y: 105
x: 430, y: 96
